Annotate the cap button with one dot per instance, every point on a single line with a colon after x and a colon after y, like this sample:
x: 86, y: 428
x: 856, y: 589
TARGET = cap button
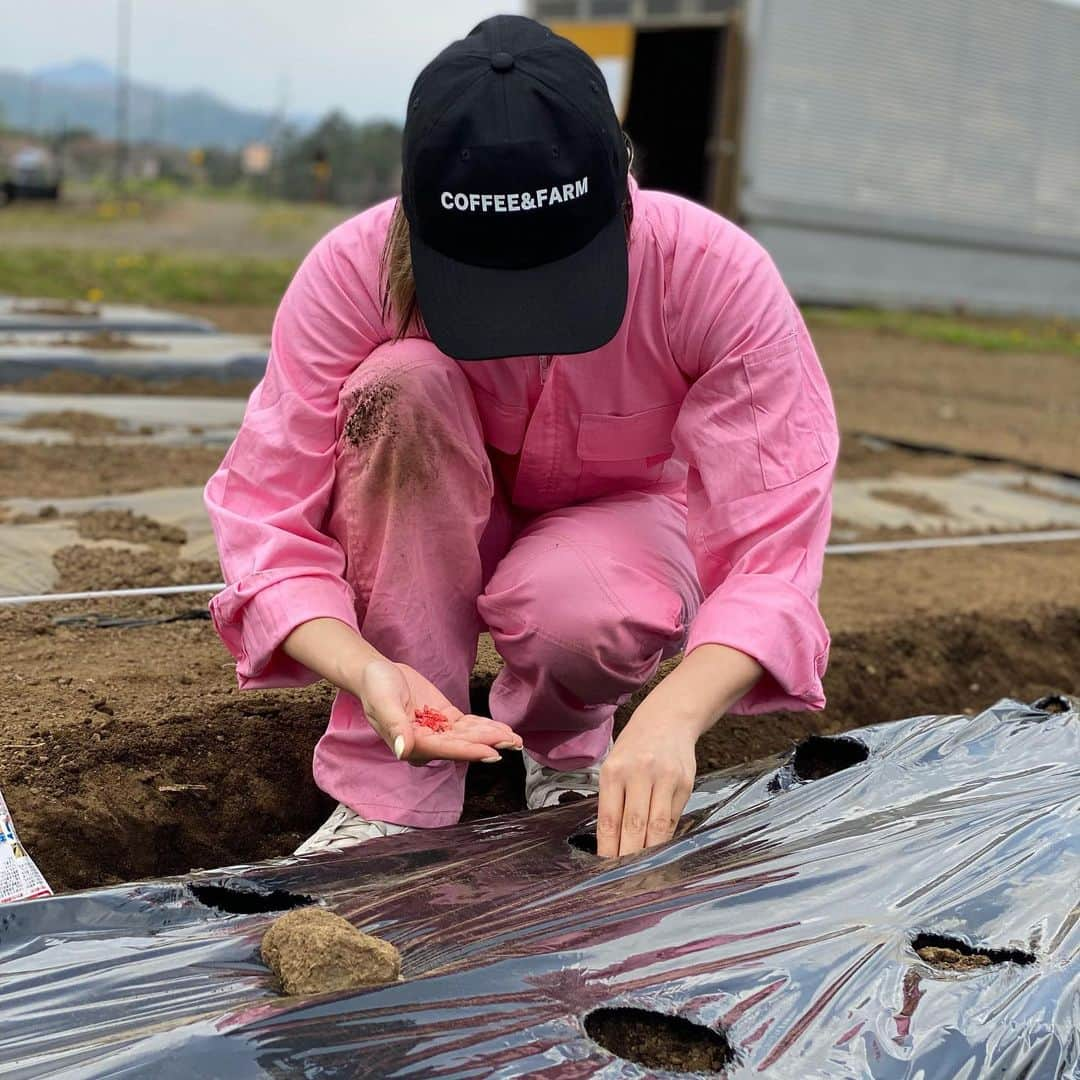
x: 502, y: 61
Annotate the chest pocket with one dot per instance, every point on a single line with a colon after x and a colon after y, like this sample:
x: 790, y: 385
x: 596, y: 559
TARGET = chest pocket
x: 623, y: 453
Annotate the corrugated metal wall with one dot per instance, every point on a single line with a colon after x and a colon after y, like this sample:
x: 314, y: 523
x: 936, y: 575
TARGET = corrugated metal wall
x: 891, y: 149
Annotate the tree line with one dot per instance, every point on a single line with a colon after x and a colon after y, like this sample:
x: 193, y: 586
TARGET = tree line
x: 337, y: 161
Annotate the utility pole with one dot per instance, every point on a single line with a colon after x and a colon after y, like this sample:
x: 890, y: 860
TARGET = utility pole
x: 35, y: 95
x: 158, y: 122
x: 123, y: 88
x: 278, y: 137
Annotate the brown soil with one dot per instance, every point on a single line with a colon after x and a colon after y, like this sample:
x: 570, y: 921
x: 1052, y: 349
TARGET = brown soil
x: 80, y: 424
x: 85, y: 382
x: 659, y: 1041
x: 861, y: 591
x: 862, y: 460
x: 105, y: 341
x: 951, y: 960
x: 233, y: 318
x: 84, y: 569
x: 122, y: 745
x: 1014, y: 405
x: 68, y: 471
x: 313, y: 951
x: 46, y: 513
x: 371, y: 413
x: 944, y: 663
x: 911, y: 500
x: 126, y: 525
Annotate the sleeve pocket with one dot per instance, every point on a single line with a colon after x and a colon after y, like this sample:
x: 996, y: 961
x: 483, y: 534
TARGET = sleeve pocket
x: 789, y: 446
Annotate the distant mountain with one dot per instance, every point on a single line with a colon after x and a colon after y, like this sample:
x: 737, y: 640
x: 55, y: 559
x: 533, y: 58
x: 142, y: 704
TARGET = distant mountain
x: 82, y: 94
x: 77, y: 73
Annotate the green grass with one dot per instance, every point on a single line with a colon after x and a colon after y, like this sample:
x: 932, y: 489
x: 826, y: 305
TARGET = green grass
x: 163, y: 200
x: 22, y: 216
x: 283, y: 219
x: 151, y: 278
x: 989, y: 334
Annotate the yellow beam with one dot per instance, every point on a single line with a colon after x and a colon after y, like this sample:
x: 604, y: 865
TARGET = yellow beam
x: 601, y: 40
x: 611, y: 45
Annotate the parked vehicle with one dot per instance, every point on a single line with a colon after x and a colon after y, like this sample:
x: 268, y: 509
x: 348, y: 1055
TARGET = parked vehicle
x: 31, y: 173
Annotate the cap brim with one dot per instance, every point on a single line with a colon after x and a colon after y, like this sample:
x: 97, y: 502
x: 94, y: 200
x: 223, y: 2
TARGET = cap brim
x: 572, y: 305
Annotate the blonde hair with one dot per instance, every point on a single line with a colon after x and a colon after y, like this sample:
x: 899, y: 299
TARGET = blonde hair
x: 396, y: 277
x: 396, y: 281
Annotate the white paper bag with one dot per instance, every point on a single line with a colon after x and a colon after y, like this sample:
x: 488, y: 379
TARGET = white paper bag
x: 20, y: 879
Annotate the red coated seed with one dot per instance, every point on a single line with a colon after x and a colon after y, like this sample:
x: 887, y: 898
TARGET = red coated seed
x: 432, y: 719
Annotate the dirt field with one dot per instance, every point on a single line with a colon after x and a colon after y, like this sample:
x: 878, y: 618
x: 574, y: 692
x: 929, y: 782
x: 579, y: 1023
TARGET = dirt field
x: 130, y: 753
x: 89, y: 467
x: 1018, y: 406
x: 74, y: 469
x: 1023, y: 407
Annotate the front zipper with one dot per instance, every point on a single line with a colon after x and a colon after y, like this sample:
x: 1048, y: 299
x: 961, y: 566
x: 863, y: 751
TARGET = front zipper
x: 545, y: 365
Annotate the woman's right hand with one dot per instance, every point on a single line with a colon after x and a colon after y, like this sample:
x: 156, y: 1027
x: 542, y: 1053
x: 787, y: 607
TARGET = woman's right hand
x: 392, y: 693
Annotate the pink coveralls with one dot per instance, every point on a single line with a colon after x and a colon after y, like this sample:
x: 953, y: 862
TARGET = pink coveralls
x: 595, y: 512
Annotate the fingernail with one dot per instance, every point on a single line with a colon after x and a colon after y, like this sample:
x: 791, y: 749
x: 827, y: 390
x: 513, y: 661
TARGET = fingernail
x: 508, y: 746
x: 491, y: 760
x: 399, y: 746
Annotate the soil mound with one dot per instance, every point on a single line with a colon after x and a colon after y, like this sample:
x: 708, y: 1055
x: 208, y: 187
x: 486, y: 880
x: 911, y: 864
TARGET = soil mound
x: 314, y: 951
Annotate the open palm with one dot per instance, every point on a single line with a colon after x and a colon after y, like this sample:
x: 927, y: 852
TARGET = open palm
x: 393, y: 693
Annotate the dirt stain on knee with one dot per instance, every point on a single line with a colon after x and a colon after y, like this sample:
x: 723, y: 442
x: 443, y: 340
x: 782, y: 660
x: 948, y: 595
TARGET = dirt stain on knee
x: 398, y: 447
x: 371, y: 413
x: 409, y: 460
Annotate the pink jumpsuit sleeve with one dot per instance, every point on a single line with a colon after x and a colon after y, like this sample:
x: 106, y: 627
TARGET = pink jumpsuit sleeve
x: 269, y: 498
x: 758, y: 431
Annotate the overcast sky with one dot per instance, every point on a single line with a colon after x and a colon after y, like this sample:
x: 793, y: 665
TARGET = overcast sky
x: 361, y: 55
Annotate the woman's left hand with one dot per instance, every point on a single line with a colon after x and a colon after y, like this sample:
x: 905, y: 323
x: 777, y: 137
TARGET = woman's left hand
x: 650, y: 772
x: 644, y: 784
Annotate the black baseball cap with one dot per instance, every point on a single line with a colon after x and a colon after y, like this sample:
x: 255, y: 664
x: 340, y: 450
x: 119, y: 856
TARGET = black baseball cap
x: 514, y: 183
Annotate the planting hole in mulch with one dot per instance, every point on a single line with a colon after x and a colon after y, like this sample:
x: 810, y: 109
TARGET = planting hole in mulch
x: 951, y: 954
x: 241, y: 898
x: 583, y: 841
x: 820, y: 756
x: 1053, y: 703
x: 659, y: 1041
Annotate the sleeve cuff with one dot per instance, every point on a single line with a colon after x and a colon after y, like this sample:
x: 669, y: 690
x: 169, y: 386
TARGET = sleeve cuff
x: 780, y: 627
x: 255, y: 615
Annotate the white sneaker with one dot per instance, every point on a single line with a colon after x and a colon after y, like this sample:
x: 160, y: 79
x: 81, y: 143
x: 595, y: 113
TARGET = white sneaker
x: 344, y: 828
x: 553, y: 787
